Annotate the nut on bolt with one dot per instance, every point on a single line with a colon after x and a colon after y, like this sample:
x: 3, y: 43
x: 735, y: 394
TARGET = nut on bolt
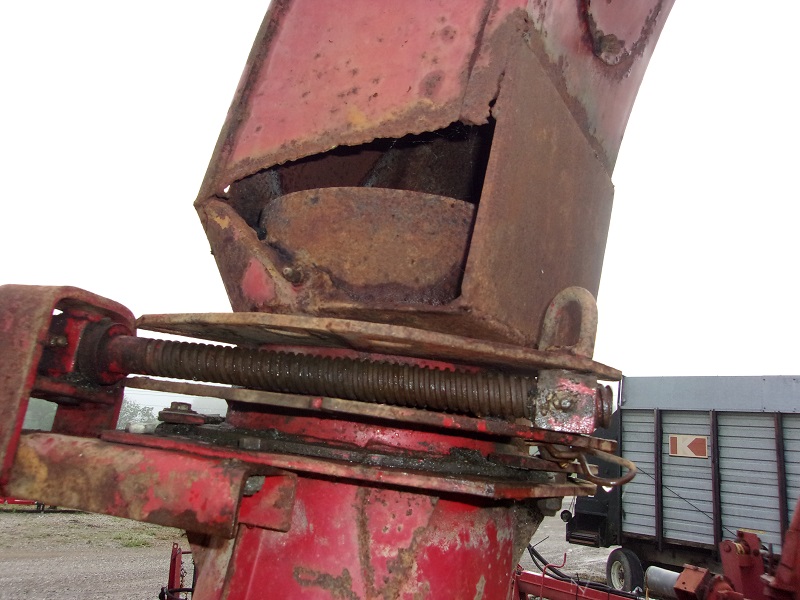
x: 293, y: 274
x: 181, y: 413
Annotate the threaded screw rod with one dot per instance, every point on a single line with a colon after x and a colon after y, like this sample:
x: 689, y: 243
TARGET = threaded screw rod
x: 480, y: 394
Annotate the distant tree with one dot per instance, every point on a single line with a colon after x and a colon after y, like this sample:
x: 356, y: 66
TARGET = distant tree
x: 131, y: 412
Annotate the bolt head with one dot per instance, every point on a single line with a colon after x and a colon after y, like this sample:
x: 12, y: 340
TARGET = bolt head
x: 292, y: 274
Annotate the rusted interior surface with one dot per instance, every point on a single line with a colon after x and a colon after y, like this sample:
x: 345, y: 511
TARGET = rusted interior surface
x: 341, y: 237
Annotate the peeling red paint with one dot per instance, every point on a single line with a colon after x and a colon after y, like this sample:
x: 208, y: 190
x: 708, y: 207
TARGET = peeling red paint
x: 256, y: 284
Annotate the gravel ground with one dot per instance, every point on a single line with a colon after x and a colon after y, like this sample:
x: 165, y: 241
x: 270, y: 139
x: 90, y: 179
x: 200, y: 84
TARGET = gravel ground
x: 64, y: 555
x: 550, y: 541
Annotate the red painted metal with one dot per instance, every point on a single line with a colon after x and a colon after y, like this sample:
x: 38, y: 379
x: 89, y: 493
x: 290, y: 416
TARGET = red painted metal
x: 749, y: 573
x: 404, y: 545
x: 328, y: 82
x: 175, y: 490
x: 386, y: 180
x: 176, y: 588
x: 784, y: 584
x: 743, y: 564
x: 378, y: 476
x: 36, y: 350
x: 541, y: 585
x: 17, y: 501
x: 515, y: 112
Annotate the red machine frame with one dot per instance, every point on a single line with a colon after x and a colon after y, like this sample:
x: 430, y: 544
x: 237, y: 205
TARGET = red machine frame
x: 408, y: 208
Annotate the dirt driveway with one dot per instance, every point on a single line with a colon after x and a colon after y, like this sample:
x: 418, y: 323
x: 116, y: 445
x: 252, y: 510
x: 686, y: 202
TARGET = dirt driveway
x: 64, y: 555
x: 70, y: 555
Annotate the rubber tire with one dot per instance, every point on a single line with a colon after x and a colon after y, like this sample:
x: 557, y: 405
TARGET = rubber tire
x: 624, y: 570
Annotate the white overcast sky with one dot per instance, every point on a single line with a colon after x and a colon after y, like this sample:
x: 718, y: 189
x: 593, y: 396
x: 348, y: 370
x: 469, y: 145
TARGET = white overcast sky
x: 109, y: 113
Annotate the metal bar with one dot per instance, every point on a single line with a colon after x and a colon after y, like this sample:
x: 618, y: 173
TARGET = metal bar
x: 482, y: 393
x: 620, y: 401
x: 152, y: 485
x: 780, y: 461
x: 658, y: 491
x: 716, y: 498
x: 26, y: 312
x: 268, y: 329
x: 175, y: 579
x: 460, y: 423
x: 26, y: 316
x: 543, y: 586
x: 503, y: 489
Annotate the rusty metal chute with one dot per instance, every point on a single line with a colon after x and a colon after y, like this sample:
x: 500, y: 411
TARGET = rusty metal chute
x: 408, y: 205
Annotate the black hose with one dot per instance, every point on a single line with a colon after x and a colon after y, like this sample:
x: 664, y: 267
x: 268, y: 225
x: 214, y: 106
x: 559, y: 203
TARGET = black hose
x: 541, y: 562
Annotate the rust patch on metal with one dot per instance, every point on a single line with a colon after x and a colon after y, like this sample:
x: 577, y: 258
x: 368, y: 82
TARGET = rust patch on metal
x: 252, y: 281
x: 632, y: 27
x: 543, y: 219
x: 212, y: 556
x: 135, y: 483
x: 271, y: 507
x: 38, y: 358
x: 390, y: 525
x: 598, y: 73
x: 460, y: 424
x: 340, y: 588
x: 372, y: 244
x: 567, y: 402
x: 335, y: 89
x: 504, y: 30
x: 379, y: 338
x: 403, y: 478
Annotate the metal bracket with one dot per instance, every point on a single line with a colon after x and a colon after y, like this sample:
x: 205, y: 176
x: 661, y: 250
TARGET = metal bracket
x: 39, y: 331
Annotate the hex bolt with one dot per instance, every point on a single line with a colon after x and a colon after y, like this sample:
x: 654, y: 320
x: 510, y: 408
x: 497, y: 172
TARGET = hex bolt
x: 292, y: 275
x: 182, y: 406
x: 565, y: 403
x: 253, y: 485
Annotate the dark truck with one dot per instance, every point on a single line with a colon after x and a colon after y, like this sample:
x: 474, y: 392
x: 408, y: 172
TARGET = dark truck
x: 715, y: 455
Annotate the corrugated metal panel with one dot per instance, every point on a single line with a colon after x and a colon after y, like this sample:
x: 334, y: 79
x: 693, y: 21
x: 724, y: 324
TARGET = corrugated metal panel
x: 791, y: 448
x: 638, y: 505
x: 748, y: 475
x: 687, y: 498
x: 740, y: 394
x: 749, y: 486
